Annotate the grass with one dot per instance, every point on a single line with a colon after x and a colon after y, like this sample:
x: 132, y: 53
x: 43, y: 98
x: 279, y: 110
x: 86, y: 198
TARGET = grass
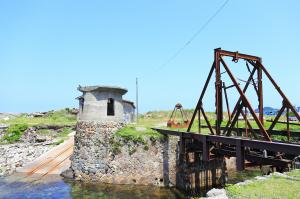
x: 248, y: 173
x: 14, y: 132
x: 60, y: 117
x: 274, y: 187
x: 135, y: 134
x: 130, y: 133
x: 21, y: 122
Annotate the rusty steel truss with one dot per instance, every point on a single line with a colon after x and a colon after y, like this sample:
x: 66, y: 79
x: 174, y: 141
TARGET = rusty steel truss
x: 256, y: 69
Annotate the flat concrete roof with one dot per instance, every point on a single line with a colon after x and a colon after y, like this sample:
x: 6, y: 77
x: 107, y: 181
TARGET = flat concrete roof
x: 129, y: 102
x: 102, y: 88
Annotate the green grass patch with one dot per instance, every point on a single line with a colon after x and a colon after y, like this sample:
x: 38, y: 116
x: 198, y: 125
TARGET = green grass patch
x: 58, y: 142
x: 14, y: 132
x: 64, y: 132
x: 274, y: 187
x: 129, y: 133
x: 60, y: 117
x: 235, y: 176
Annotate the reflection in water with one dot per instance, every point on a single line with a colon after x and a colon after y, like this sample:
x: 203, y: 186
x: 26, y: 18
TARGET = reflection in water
x: 57, y: 188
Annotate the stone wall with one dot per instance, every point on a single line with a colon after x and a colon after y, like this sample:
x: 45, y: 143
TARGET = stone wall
x: 100, y: 156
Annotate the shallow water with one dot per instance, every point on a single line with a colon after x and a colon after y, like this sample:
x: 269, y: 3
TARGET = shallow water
x: 57, y: 188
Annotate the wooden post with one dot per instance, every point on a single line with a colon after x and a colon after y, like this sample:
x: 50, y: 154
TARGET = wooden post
x: 205, y: 149
x: 240, y: 155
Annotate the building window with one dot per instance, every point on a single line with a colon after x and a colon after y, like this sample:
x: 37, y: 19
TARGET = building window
x: 81, y: 104
x: 110, y: 107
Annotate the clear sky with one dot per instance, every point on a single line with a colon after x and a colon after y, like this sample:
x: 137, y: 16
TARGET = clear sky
x: 48, y: 48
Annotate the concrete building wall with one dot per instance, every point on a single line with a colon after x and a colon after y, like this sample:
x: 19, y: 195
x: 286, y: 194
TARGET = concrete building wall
x: 129, y: 112
x: 95, y: 106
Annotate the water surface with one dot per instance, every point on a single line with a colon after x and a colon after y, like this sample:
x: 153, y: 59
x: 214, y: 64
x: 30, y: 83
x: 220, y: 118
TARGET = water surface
x: 57, y: 188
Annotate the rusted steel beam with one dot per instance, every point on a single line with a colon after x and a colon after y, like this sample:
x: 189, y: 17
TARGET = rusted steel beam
x: 288, y: 148
x: 248, y: 124
x: 280, y: 122
x: 205, y: 149
x: 240, y: 155
x: 199, y: 121
x: 227, y: 102
x: 229, y: 87
x: 287, y: 101
x: 257, y: 131
x: 239, y: 100
x: 288, y: 123
x: 246, y: 102
x: 256, y: 159
x: 253, y: 82
x: 207, y: 121
x: 260, y: 96
x: 237, y: 55
x: 199, y: 103
x: 218, y: 92
x: 277, y: 117
x: 235, y: 119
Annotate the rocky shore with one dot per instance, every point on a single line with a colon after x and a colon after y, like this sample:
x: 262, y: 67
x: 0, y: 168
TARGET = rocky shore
x: 31, y: 145
x: 16, y: 155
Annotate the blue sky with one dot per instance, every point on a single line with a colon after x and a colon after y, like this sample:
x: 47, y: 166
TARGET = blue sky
x: 48, y: 48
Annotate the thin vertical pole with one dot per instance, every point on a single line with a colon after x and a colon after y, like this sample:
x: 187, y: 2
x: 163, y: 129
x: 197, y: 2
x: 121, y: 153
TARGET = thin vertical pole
x: 218, y: 87
x: 260, y: 96
x: 246, y: 124
x: 227, y: 103
x: 199, y: 121
x: 137, y: 101
x: 288, y: 123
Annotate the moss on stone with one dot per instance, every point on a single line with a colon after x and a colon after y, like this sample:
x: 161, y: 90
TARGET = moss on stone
x: 130, y: 133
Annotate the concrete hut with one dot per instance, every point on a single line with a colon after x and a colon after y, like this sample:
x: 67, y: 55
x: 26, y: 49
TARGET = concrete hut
x: 105, y: 103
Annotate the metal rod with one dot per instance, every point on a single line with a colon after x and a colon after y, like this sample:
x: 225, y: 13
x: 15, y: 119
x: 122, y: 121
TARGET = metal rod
x: 218, y: 93
x: 237, y: 55
x: 137, y: 101
x: 260, y: 96
x: 288, y: 123
x: 207, y: 121
x: 277, y: 117
x: 199, y: 121
x: 227, y: 103
x: 253, y: 82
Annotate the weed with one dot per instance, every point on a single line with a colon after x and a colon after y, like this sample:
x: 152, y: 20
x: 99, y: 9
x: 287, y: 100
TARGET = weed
x: 131, y: 150
x: 14, y: 132
x: 146, y: 147
x: 58, y: 142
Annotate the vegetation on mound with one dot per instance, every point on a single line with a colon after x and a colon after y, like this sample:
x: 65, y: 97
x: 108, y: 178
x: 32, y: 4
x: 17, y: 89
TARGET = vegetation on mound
x: 60, y: 118
x: 137, y: 135
x: 20, y: 123
x: 14, y: 132
x: 273, y: 187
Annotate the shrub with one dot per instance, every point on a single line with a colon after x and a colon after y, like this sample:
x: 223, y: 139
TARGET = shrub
x: 14, y: 132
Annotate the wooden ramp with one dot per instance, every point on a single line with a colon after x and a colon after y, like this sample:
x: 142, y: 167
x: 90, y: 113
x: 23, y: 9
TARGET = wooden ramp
x: 54, y: 161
